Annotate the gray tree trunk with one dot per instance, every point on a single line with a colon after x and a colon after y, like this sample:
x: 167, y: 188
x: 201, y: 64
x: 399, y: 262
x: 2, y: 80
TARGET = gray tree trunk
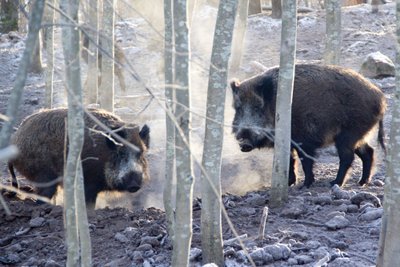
x: 93, y: 61
x: 239, y: 35
x: 276, y: 9
x: 184, y: 173
x: 170, y: 126
x: 211, y: 229
x: 375, y: 6
x: 15, y: 99
x: 9, y: 16
x: 389, y: 242
x: 106, y: 90
x: 333, y: 32
x: 254, y: 7
x: 280, y: 170
x: 36, y: 64
x: 77, y: 231
x: 49, y: 16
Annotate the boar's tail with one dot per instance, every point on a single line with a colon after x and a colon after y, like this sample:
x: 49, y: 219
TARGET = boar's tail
x: 14, y: 181
x: 381, y: 135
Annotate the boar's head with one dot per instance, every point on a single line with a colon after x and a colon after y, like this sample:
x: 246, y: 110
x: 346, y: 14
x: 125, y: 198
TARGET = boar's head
x: 254, y: 113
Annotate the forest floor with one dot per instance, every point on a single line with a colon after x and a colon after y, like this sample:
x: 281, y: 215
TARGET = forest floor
x: 319, y: 226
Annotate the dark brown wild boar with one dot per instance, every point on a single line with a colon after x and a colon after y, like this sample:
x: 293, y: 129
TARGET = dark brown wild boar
x: 107, y: 164
x: 331, y: 105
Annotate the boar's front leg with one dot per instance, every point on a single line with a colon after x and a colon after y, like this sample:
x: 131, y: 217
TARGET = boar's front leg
x: 306, y: 155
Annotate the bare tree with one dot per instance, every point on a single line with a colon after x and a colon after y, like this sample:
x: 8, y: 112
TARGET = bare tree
x: 280, y: 169
x: 170, y: 127
x: 93, y: 72
x: 254, y: 7
x: 389, y: 243
x: 333, y: 32
x: 276, y: 9
x: 8, y: 16
x: 211, y: 229
x: 77, y: 230
x: 239, y: 35
x: 15, y: 98
x: 184, y: 173
x: 106, y: 90
x: 49, y: 15
x: 36, y: 64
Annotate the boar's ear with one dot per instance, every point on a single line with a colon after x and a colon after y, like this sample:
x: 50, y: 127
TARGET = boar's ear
x: 235, y: 86
x: 112, y: 143
x: 145, y: 135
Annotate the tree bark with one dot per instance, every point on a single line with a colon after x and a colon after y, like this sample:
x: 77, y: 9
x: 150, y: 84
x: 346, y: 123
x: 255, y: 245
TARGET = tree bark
x: 93, y: 61
x: 389, y: 243
x: 9, y: 16
x: 170, y: 127
x: 254, y: 7
x: 184, y: 190
x: 280, y: 170
x: 211, y: 229
x: 333, y: 32
x: 239, y: 35
x: 77, y: 231
x: 276, y: 9
x: 36, y: 64
x: 49, y: 15
x: 15, y: 99
x: 106, y: 90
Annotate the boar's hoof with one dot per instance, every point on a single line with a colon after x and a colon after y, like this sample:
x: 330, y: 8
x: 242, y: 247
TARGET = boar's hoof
x: 363, y: 182
x: 246, y: 147
x: 332, y: 183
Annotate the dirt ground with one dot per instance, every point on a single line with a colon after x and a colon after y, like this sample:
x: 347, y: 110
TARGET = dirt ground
x: 319, y: 226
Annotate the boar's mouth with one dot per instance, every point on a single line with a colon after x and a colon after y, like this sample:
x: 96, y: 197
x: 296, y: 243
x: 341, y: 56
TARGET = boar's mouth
x: 246, y: 146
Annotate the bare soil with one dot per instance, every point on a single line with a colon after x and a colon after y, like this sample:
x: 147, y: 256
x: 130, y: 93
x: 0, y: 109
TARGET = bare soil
x: 317, y: 227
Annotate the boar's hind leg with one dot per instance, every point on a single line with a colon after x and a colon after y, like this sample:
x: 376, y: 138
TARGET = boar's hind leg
x: 366, y: 154
x: 292, y: 168
x: 345, y: 143
x: 306, y: 155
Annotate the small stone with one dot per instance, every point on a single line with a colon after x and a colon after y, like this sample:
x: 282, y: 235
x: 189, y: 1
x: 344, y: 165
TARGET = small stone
x: 291, y: 261
x: 131, y: 232
x: 352, y: 208
x: 371, y: 215
x: 15, y: 248
x: 337, y: 222
x: 210, y: 265
x: 152, y: 240
x: 36, y: 222
x: 339, y: 193
x: 146, y: 263
x: 367, y: 197
x: 335, y: 213
x: 293, y: 212
x: 312, y: 244
x: 322, y: 200
x: 51, y: 263
x: 378, y: 183
x: 194, y: 254
x: 303, y: 259
x: 121, y: 238
x: 377, y: 65
x: 259, y: 255
x: 248, y: 211
x: 137, y: 256
x: 278, y: 251
x: 144, y: 247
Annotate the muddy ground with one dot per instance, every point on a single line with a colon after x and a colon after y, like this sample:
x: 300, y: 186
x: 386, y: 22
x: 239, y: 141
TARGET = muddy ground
x: 319, y: 226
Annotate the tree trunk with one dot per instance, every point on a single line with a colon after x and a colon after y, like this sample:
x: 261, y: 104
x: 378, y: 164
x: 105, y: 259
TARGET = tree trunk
x: 239, y: 35
x: 276, y: 9
x: 254, y: 6
x: 184, y: 190
x: 280, y: 170
x: 93, y: 61
x: 333, y: 32
x: 49, y: 15
x: 36, y: 64
x: 15, y: 99
x: 389, y: 243
x: 9, y: 16
x: 77, y: 231
x: 170, y: 127
x: 375, y: 6
x: 211, y: 229
x: 106, y: 90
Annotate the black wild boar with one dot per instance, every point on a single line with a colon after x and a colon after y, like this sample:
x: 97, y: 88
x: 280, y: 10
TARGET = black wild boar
x: 107, y: 164
x: 331, y: 105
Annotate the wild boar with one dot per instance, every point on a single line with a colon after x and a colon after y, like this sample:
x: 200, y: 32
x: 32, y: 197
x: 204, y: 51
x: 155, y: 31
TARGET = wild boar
x: 331, y: 105
x: 107, y: 163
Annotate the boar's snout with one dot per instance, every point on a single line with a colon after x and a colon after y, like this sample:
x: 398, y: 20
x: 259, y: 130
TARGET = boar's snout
x: 246, y: 146
x: 132, y: 182
x: 244, y: 136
